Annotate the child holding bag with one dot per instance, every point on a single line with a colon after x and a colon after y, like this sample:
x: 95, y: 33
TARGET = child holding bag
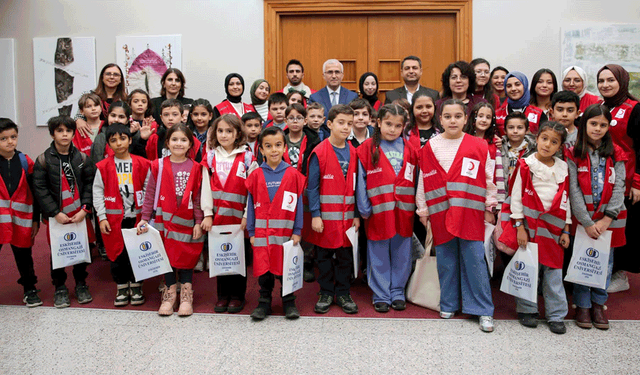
x: 597, y: 201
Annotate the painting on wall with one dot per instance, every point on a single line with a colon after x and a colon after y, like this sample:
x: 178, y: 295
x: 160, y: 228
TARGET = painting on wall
x: 8, y: 105
x: 591, y: 46
x: 63, y: 69
x: 144, y: 59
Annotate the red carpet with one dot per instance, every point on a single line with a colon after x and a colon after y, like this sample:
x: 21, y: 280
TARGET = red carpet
x: 621, y: 306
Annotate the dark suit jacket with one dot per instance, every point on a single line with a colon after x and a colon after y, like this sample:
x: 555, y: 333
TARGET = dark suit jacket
x: 322, y: 97
x: 401, y: 92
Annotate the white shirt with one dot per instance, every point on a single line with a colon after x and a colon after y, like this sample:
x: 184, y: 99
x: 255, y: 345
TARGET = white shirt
x: 409, y: 94
x: 331, y: 95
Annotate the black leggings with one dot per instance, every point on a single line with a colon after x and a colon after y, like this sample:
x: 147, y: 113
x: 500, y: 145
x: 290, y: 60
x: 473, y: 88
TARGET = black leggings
x: 184, y: 276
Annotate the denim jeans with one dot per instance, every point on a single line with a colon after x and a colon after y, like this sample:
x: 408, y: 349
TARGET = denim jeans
x: 584, y: 295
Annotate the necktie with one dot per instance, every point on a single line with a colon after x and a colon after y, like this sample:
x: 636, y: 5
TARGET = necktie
x: 334, y: 98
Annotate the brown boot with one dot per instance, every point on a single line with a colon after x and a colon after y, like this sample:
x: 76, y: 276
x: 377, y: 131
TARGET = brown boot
x: 583, y: 318
x: 598, y: 316
x: 186, y: 300
x: 168, y: 301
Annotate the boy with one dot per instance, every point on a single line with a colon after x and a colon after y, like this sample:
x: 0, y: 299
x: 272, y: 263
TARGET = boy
x: 118, y: 195
x: 516, y: 143
x: 300, y: 139
x: 275, y: 196
x: 277, y: 106
x: 565, y: 110
x: 315, y: 117
x: 63, y: 171
x: 17, y: 203
x: 361, y: 120
x: 91, y: 109
x: 331, y: 186
x: 252, y: 126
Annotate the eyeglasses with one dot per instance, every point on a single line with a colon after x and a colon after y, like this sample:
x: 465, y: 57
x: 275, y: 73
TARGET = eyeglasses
x: 295, y: 119
x: 482, y: 72
x: 332, y: 72
x: 109, y: 74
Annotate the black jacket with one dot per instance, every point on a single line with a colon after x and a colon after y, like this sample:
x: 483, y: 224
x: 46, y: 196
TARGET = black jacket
x: 46, y: 179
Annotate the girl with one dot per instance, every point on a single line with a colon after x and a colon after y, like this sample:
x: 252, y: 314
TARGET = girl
x: 173, y: 86
x: 498, y: 74
x: 385, y: 197
x: 141, y: 110
x: 234, y: 87
x: 597, y: 199
x: 296, y: 97
x: 200, y: 119
x: 456, y: 193
x: 544, y: 86
x: 224, y: 196
x: 178, y: 216
x: 516, y: 86
x: 484, y: 88
x: 613, y: 84
x: 118, y: 112
x: 540, y: 212
x: 459, y: 82
x: 422, y: 120
x: 574, y: 79
x: 369, y: 89
x: 260, y: 91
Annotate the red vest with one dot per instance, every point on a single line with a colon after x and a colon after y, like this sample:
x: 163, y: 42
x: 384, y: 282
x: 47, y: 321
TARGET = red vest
x: 620, y: 119
x: 533, y: 113
x: 174, y: 222
x: 337, y: 198
x: 392, y: 197
x: 152, y: 148
x: 414, y: 138
x: 456, y: 199
x: 617, y: 227
x: 587, y: 100
x: 113, y: 242
x: 229, y: 200
x: 16, y: 212
x: 543, y: 227
x: 225, y: 107
x: 84, y: 143
x: 274, y: 222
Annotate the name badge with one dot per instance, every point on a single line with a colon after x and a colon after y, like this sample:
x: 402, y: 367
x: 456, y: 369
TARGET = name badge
x: 241, y: 172
x: 612, y: 176
x: 190, y: 201
x: 470, y: 168
x: 289, y: 201
x: 620, y: 113
x: 408, y: 172
x: 140, y: 197
x: 563, y: 202
x: 533, y: 117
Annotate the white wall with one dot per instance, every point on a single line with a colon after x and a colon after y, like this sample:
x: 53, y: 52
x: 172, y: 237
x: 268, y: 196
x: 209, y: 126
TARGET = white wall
x: 223, y: 36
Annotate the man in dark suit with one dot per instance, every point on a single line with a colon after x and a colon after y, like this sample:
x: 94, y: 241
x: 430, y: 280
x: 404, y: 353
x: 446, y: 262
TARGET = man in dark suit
x: 333, y: 93
x: 411, y: 72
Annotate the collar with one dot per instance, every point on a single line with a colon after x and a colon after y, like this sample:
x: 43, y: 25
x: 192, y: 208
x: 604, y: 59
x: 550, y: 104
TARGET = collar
x: 336, y: 91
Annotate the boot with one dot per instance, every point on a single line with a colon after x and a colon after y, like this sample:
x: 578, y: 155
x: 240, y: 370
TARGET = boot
x: 583, y: 318
x: 168, y: 301
x: 598, y: 316
x: 263, y: 309
x: 289, y: 306
x: 186, y: 300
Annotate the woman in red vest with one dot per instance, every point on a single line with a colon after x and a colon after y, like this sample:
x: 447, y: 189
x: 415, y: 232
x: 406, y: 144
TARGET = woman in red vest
x: 613, y: 84
x: 597, y: 200
x: 234, y: 87
x: 516, y: 85
x: 574, y: 79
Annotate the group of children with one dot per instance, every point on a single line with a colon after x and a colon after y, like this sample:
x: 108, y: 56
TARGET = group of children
x: 302, y: 177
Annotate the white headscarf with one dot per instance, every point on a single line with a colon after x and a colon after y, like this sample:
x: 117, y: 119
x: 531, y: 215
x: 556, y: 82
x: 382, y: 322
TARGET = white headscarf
x: 582, y: 75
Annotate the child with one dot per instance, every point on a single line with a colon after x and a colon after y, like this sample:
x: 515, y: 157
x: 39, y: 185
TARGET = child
x: 565, y: 109
x: 361, y: 130
x: 297, y: 141
x: 224, y: 196
x: 517, y: 143
x: 118, y: 112
x: 62, y: 180
x: 177, y: 215
x: 118, y: 195
x: 315, y: 118
x: 386, y: 200
x: 516, y: 85
x: 274, y: 216
x: 141, y: 110
x: 200, y: 119
x: 91, y: 108
x: 456, y: 193
x: 331, y: 187
x: 597, y: 201
x: 277, y: 107
x: 18, y: 204
x: 422, y: 119
x: 540, y: 212
x: 252, y: 125
x: 296, y: 97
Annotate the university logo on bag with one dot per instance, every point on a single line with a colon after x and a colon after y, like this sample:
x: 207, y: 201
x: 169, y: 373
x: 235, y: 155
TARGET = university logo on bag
x: 519, y: 266
x: 146, y: 245
x: 592, y: 253
x: 295, y: 260
x: 226, y: 246
x: 70, y: 236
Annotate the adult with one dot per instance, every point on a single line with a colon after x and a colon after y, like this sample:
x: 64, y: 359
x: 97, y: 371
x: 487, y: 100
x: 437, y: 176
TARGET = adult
x: 259, y: 92
x: 543, y: 85
x: 411, y: 72
x: 613, y: 84
x: 173, y: 86
x: 459, y: 82
x: 481, y: 68
x: 295, y: 75
x: 574, y: 78
x: 516, y: 85
x: 369, y: 89
x: 234, y: 87
x: 498, y: 74
x: 333, y: 93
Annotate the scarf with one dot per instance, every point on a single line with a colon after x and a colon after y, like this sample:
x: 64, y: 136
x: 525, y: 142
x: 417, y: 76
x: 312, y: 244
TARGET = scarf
x: 582, y: 75
x: 233, y: 99
x: 622, y: 76
x: 526, y: 96
x: 254, y: 87
x: 372, y: 99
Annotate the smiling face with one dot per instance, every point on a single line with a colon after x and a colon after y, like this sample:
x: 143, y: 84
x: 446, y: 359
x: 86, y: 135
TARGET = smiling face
x: 361, y: 118
x: 549, y: 142
x: 369, y: 86
x: 411, y: 72
x: 544, y: 86
x: 453, y: 118
x: 226, y: 135
x: 573, y: 82
x: 117, y: 114
x: 497, y: 80
x: 333, y: 75
x: 482, y: 75
x: 423, y: 110
x: 458, y: 83
x: 608, y: 85
x: 296, y: 97
x: 262, y: 92
x: 272, y: 148
x: 112, y: 77
x: 483, y: 119
x: 235, y: 87
x: 172, y: 85
x: 179, y: 144
x: 341, y: 127
x: 201, y: 117
x: 515, y: 88
x: 391, y: 127
x: 597, y: 127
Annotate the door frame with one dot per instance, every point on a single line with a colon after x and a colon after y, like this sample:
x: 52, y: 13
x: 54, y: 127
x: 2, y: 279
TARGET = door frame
x: 275, y: 9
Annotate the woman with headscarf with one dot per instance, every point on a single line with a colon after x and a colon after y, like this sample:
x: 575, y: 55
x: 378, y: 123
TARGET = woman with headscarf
x: 516, y: 85
x: 234, y: 87
x: 259, y: 94
x: 613, y: 84
x: 574, y: 78
x: 369, y: 89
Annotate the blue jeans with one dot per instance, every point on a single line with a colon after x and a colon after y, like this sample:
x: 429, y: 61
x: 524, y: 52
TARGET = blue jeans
x: 389, y: 268
x: 463, y: 274
x: 555, y: 298
x: 584, y: 295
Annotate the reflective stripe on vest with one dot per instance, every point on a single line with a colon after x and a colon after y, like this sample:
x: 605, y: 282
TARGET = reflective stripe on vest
x: 384, y: 189
x: 230, y: 197
x: 7, y: 219
x: 337, y: 215
x: 228, y: 211
x: 274, y: 224
x: 183, y: 237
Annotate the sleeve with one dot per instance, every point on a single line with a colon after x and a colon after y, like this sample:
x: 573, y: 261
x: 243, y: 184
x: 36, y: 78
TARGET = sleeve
x: 298, y: 223
x: 87, y: 172
x: 633, y: 131
x: 98, y: 197
x: 206, y: 198
x: 568, y: 217
x: 616, y: 203
x: 149, y: 197
x: 516, y: 197
x: 48, y: 204
x: 501, y: 193
x: 251, y: 217
x: 313, y: 186
x: 138, y: 145
x: 362, y: 199
x: 578, y: 206
x: 491, y: 200
x: 97, y: 149
x: 197, y: 209
x: 421, y: 199
x: 36, y: 207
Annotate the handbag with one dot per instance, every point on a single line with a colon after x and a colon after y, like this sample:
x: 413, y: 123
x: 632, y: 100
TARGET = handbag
x: 69, y: 244
x: 226, y: 251
x: 423, y: 288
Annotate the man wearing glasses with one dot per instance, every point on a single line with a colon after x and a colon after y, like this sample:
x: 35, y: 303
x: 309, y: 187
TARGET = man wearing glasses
x: 333, y: 93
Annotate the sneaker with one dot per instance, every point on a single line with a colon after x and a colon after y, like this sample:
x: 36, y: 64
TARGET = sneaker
x: 135, y: 293
x: 323, y: 304
x: 619, y: 282
x: 122, y: 295
x: 528, y: 320
x: 347, y: 304
x: 82, y: 293
x: 31, y: 298
x: 398, y: 305
x: 486, y: 323
x: 61, y: 297
x: 447, y: 315
x: 557, y: 327
x: 381, y: 307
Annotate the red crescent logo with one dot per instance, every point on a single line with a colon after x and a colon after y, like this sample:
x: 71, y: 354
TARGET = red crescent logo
x: 290, y: 199
x: 471, y: 166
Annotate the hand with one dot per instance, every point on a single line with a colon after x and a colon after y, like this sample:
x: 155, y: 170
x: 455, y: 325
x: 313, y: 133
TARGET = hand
x: 522, y: 237
x: 489, y: 217
x: 105, y: 228
x: 35, y: 227
x: 634, y: 195
x: 593, y: 231
x: 243, y: 224
x: 564, y: 240
x: 79, y: 216
x: 83, y: 128
x: 603, y: 224
x: 316, y: 224
x: 296, y: 239
x: 356, y: 223
x: 206, y: 223
x: 134, y: 126
x: 145, y: 129
x: 424, y: 220
x: 252, y: 240
x: 498, y: 141
x: 62, y: 218
x: 142, y: 227
x: 197, y: 231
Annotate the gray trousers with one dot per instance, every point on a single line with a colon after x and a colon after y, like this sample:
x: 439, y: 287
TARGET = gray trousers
x: 555, y: 298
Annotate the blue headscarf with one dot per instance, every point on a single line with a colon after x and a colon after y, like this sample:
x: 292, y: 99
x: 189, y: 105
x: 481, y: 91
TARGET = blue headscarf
x: 526, y: 96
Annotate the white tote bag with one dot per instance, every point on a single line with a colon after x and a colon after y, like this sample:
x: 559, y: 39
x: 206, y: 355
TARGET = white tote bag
x: 589, y: 264
x: 521, y: 275
x: 69, y: 244
x: 489, y: 248
x: 423, y: 288
x: 292, y: 261
x: 226, y: 251
x: 352, y: 235
x: 146, y: 253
